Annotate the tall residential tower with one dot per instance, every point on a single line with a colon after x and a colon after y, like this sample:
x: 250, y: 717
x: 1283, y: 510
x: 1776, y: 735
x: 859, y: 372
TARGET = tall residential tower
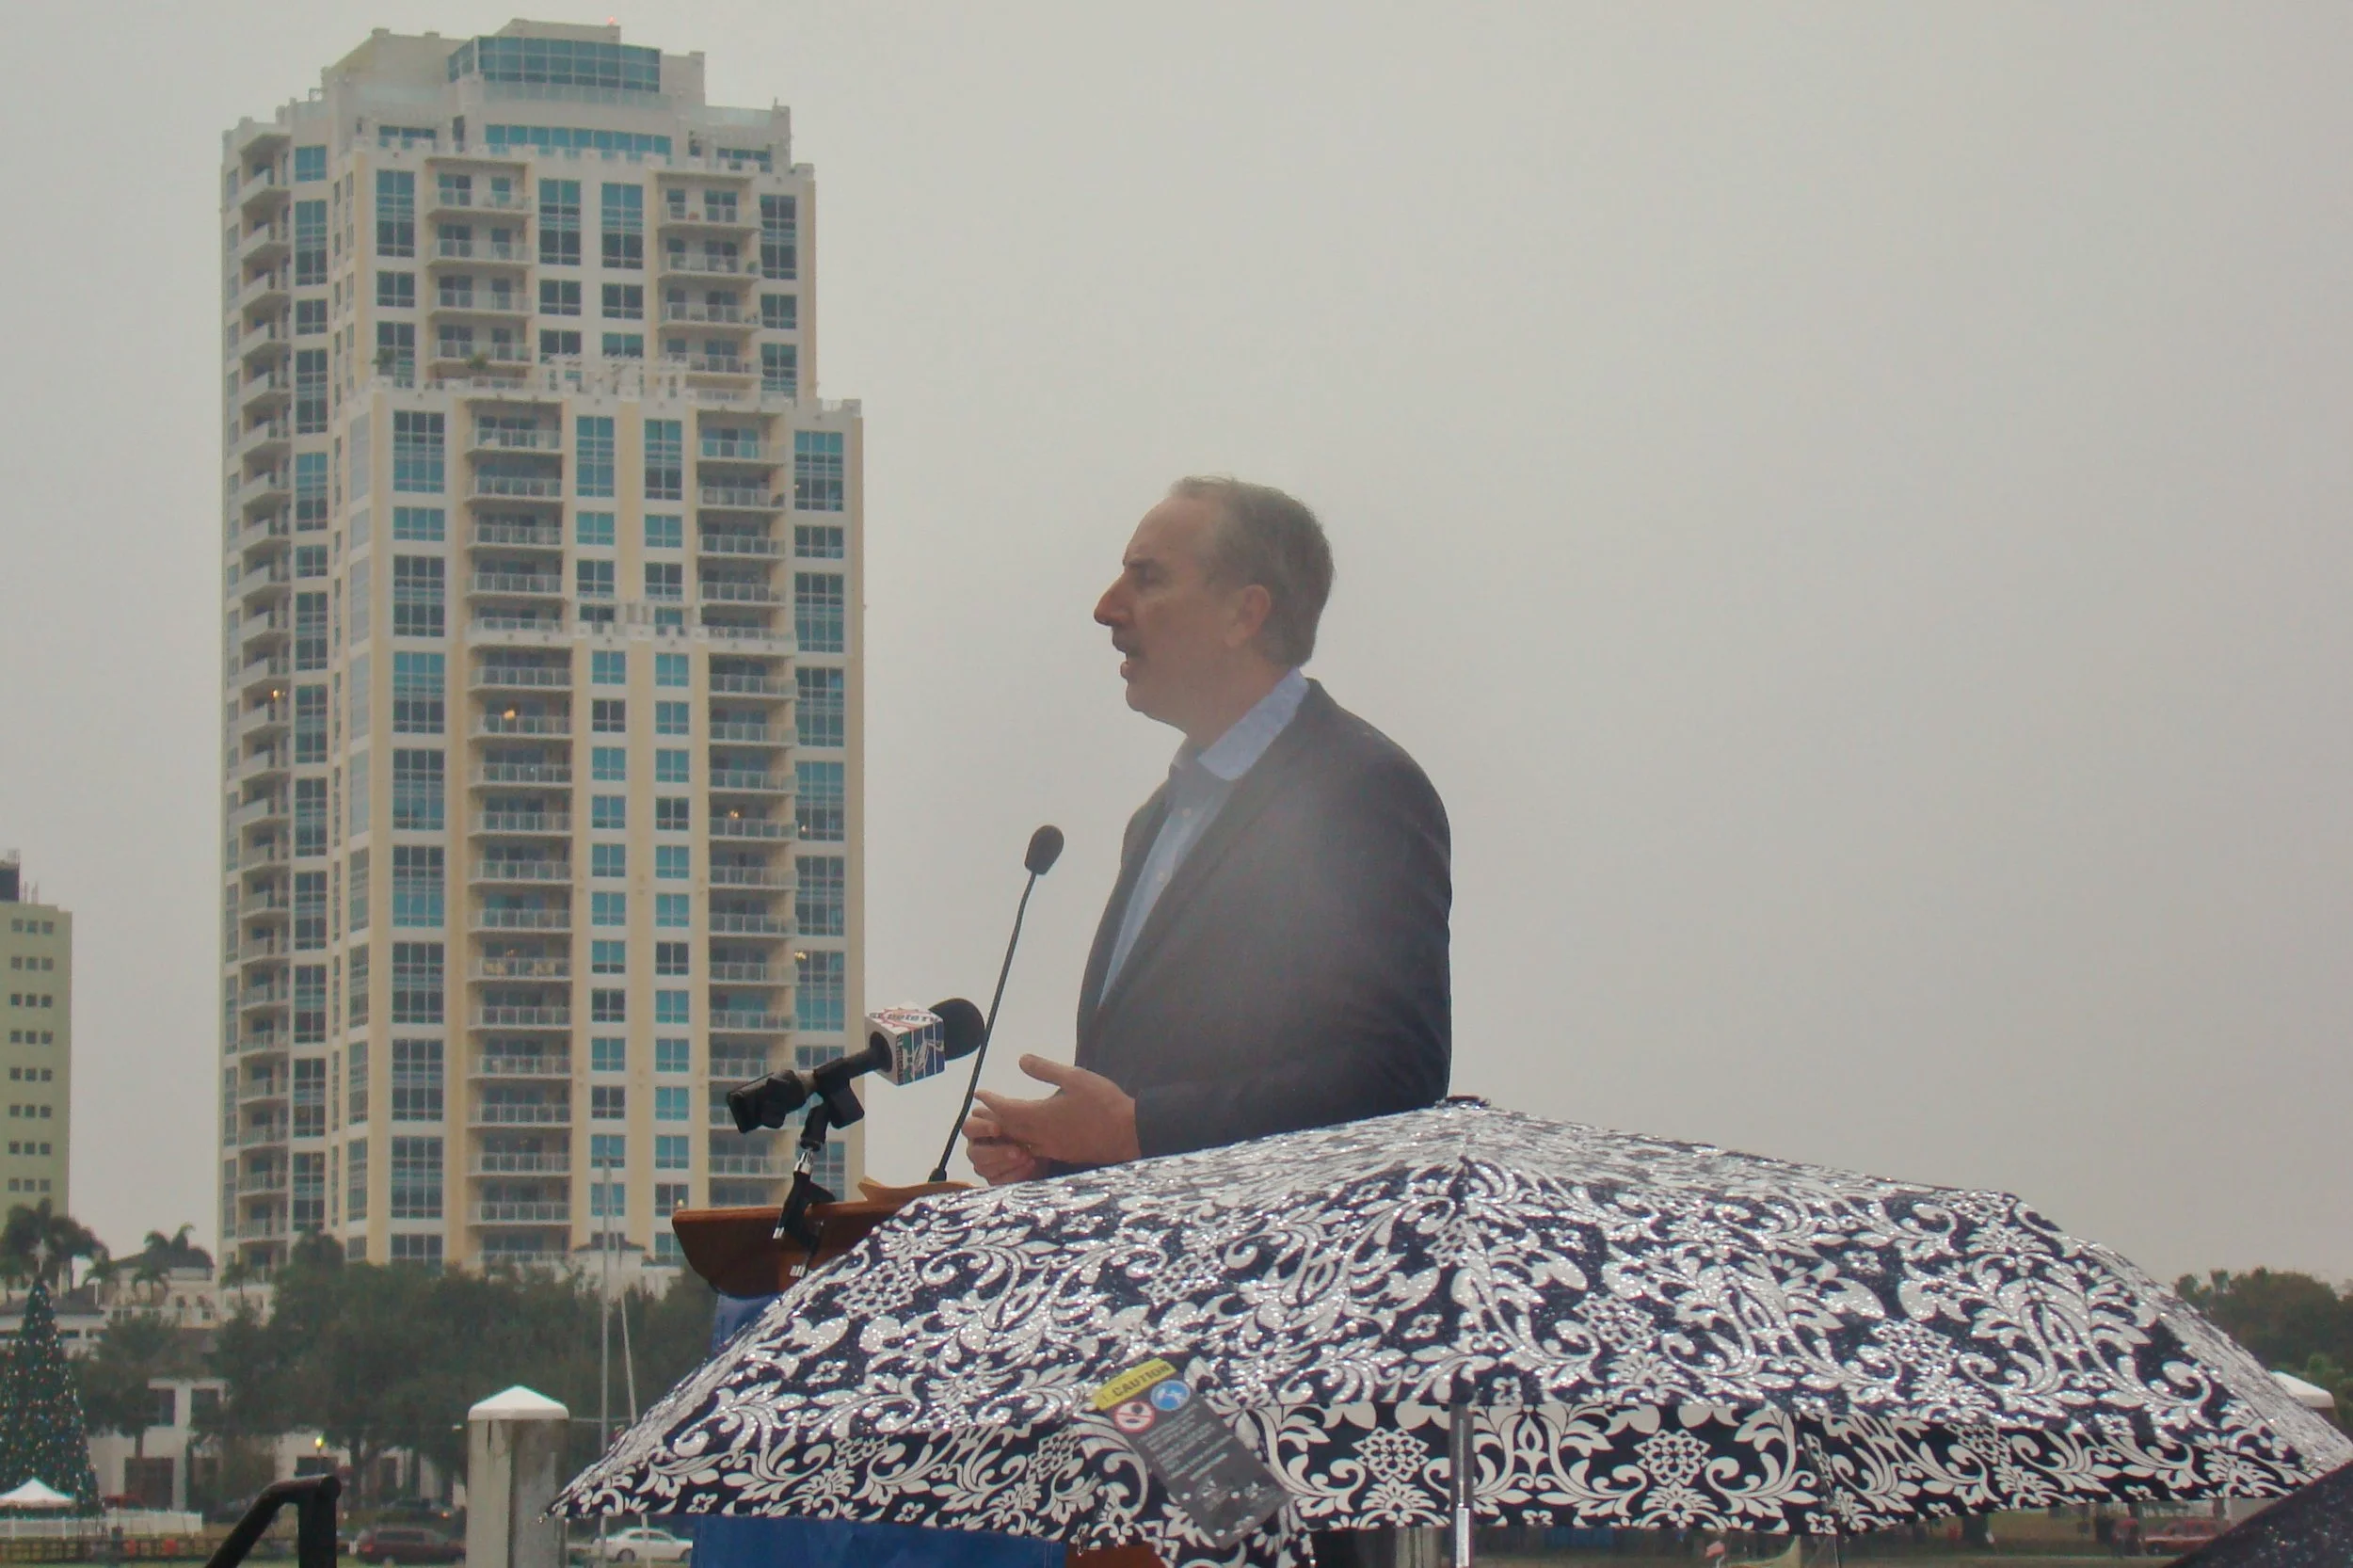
x: 541, y: 725
x: 37, y: 963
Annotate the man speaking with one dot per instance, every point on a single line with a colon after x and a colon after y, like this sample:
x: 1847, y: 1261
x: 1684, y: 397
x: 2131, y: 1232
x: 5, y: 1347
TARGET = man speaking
x: 1274, y: 953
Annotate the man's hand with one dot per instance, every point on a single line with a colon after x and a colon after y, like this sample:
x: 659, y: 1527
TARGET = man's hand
x: 998, y: 1162
x: 1089, y: 1120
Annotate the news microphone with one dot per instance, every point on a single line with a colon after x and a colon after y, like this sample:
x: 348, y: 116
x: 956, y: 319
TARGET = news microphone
x: 903, y: 1045
x: 1044, y: 849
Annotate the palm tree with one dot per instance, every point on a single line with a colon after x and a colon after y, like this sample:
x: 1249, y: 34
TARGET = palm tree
x: 40, y: 1243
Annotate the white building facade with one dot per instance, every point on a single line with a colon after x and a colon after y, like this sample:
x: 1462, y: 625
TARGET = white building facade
x: 541, y: 729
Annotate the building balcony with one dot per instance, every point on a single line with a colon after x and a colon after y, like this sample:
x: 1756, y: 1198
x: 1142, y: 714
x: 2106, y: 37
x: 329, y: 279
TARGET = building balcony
x: 524, y: 773
x: 735, y: 1061
x: 721, y: 590
x: 264, y: 1091
x: 523, y: 724
x: 260, y: 766
x: 508, y: 486
x: 545, y: 1065
x: 522, y: 1164
x: 264, y: 632
x: 748, y: 1164
x: 262, y: 722
x: 493, y: 437
x: 270, y: 854
x: 265, y: 949
x: 749, y: 828
x: 523, y: 920
x: 749, y: 1023
x: 749, y: 782
x: 451, y: 355
x: 264, y: 1183
x: 740, y: 733
x: 264, y: 393
x: 271, y: 487
x: 264, y: 441
x: 695, y: 264
x: 266, y: 291
x: 751, y: 685
x: 529, y: 966
x: 465, y: 203
x: 522, y: 678
x: 746, y: 974
x: 262, y: 998
x: 500, y: 623
x: 707, y: 315
x: 777, y: 641
x: 522, y: 1018
x: 517, y: 536
x: 265, y: 244
x: 479, y: 302
x: 714, y: 542
x: 739, y: 497
x: 540, y: 1114
x: 729, y: 366
x: 749, y: 876
x: 253, y: 813
x: 749, y: 926
x: 515, y: 584
x: 725, y: 218
x: 522, y: 1214
x: 271, y: 906
x: 258, y: 1137
x: 481, y: 252
x: 269, y: 533
x: 553, y: 825
x: 264, y: 583
x: 523, y: 871
x: 263, y: 192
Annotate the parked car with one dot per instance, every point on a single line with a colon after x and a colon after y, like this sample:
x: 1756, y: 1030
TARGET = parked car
x: 644, y: 1543
x: 406, y: 1544
x: 2176, y: 1536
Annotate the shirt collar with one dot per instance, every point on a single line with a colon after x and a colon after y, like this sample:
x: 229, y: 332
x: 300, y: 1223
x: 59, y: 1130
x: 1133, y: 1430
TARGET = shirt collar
x: 1238, y: 750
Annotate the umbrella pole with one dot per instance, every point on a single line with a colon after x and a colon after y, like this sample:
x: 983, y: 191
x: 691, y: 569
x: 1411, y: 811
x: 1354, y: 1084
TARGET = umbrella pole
x: 1458, y: 1452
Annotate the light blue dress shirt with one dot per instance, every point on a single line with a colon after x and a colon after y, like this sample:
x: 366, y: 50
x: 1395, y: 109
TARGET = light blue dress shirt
x: 1199, y: 783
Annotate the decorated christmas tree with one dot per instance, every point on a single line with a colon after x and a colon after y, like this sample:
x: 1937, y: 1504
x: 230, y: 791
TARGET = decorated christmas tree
x: 41, y: 1435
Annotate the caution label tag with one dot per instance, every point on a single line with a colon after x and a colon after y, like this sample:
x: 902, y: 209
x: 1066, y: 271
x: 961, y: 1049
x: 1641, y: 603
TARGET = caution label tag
x: 1223, y: 1487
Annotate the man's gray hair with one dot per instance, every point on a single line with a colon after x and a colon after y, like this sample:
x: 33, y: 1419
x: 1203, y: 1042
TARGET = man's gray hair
x: 1273, y: 541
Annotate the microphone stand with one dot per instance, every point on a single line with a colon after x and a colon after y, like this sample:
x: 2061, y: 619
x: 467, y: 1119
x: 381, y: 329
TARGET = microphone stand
x: 988, y: 1028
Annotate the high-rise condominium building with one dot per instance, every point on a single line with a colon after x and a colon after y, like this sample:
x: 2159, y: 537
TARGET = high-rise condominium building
x: 542, y: 716
x: 36, y: 966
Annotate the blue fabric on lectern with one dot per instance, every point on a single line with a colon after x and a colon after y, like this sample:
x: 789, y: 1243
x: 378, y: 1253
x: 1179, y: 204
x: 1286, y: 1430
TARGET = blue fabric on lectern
x: 825, y: 1543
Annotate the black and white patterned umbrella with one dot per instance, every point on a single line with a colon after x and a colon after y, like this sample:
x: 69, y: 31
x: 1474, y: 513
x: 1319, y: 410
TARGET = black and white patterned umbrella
x: 1641, y: 1332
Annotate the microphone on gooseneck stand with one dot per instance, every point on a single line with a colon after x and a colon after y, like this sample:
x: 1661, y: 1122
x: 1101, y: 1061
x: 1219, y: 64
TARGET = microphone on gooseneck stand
x: 1044, y: 849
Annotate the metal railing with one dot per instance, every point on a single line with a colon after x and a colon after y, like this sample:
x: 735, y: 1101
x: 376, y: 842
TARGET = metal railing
x: 313, y: 1498
x: 738, y: 544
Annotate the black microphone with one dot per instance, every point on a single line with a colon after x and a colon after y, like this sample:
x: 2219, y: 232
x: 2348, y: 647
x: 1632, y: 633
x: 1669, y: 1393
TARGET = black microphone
x: 903, y: 1045
x: 1044, y: 849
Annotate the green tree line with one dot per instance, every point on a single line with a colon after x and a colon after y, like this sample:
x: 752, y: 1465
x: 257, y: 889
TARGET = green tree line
x: 2292, y: 1322
x: 379, y: 1356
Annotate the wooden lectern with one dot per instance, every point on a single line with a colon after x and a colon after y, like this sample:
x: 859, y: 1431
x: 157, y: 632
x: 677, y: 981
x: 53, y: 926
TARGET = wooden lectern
x: 737, y: 1251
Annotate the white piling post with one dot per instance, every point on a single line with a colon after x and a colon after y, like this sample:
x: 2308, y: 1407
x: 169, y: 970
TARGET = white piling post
x: 515, y: 1445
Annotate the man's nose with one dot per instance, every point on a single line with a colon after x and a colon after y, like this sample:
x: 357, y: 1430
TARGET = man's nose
x: 1112, y: 608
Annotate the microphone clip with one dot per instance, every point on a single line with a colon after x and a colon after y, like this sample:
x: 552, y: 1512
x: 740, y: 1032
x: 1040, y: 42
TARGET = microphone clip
x: 793, y: 1221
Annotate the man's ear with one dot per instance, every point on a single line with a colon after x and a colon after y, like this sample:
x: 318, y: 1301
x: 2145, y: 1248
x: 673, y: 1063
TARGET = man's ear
x: 1252, y: 606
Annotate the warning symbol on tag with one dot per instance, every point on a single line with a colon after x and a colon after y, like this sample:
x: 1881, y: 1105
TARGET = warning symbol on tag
x: 1211, y: 1473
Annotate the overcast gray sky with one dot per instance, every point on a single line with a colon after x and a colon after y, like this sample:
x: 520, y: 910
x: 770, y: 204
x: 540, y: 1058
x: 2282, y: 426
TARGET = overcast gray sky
x: 1849, y: 503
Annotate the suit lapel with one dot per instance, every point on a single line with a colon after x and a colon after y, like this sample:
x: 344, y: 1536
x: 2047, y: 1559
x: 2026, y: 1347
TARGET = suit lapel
x: 1252, y: 794
x: 1143, y: 828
